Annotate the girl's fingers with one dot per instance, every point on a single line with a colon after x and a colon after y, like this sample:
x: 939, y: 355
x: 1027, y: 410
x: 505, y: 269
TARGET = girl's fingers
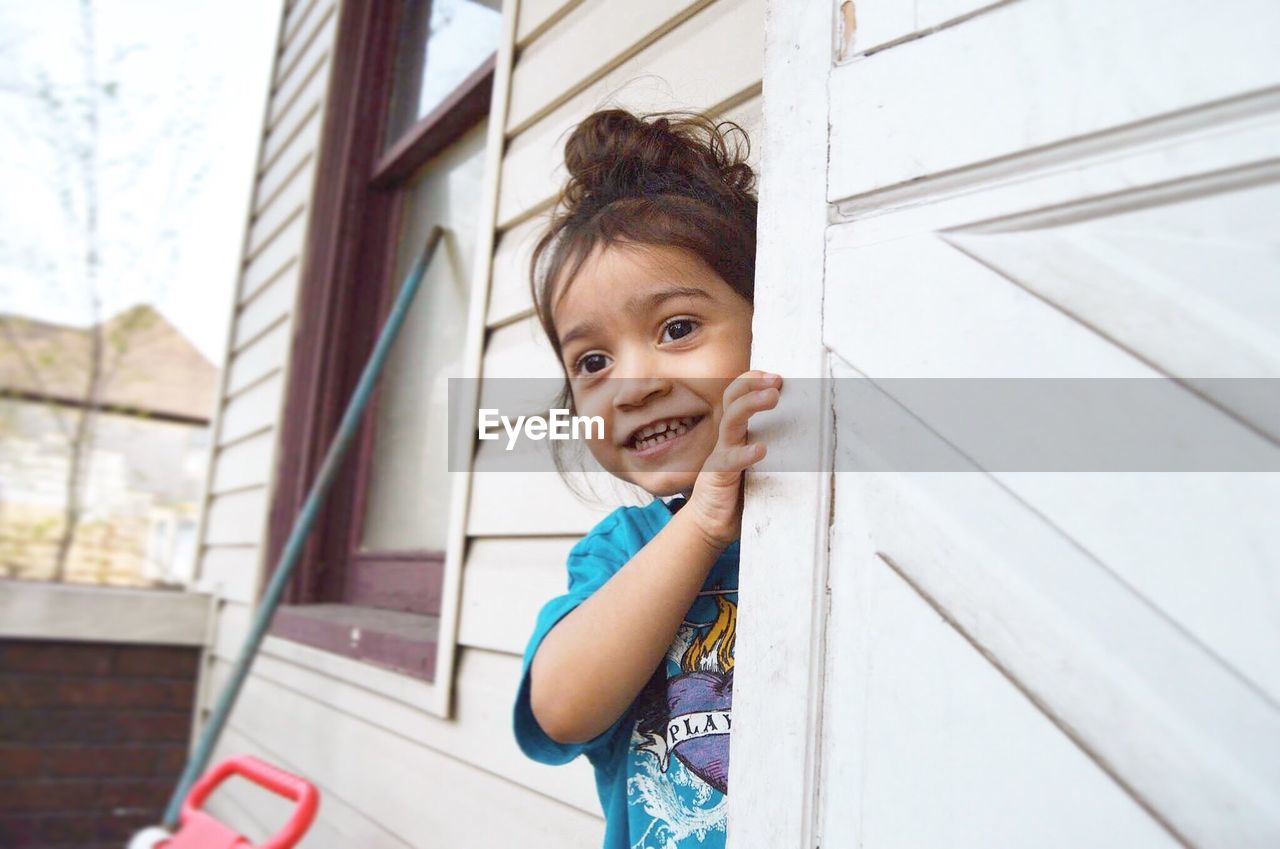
x: 743, y: 456
x: 731, y: 461
x: 747, y: 382
x: 733, y: 426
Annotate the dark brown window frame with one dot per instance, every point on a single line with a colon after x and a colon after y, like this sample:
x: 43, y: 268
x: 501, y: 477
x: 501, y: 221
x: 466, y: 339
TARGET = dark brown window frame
x: 352, y: 239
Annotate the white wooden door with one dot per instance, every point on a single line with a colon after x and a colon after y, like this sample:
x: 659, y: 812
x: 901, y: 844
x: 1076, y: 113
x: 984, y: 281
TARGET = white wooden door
x: 1014, y: 657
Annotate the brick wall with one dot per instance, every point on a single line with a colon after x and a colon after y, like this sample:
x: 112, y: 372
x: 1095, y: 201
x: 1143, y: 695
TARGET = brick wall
x: 92, y: 738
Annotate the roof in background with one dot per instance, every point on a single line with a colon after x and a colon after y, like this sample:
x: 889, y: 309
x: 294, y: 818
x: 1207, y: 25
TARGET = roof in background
x: 150, y: 367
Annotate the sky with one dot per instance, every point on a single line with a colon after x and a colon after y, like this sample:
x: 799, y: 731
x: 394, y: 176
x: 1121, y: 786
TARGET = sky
x: 177, y: 143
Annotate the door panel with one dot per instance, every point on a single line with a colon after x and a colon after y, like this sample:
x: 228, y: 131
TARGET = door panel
x: 939, y: 749
x: 1149, y: 701
x: 1025, y: 75
x: 1015, y: 654
x: 1038, y: 190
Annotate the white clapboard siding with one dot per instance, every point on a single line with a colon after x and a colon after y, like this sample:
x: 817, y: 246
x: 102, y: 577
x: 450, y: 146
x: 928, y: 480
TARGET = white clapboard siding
x: 271, y: 261
x: 480, y: 733
x: 233, y: 620
x: 711, y: 59
x: 259, y: 813
x: 504, y: 585
x: 884, y: 133
x: 392, y: 774
x: 296, y: 160
x: 283, y: 209
x: 264, y: 314
x: 292, y: 142
x: 507, y: 503
x: 259, y: 358
x: 294, y: 134
x: 520, y: 369
x: 520, y: 349
x: 273, y: 303
x: 299, y: 12
x: 580, y: 47
x: 305, y: 62
x: 236, y: 518
x: 251, y: 410
x: 230, y: 572
x: 535, y: 15
x: 509, y: 295
x: 245, y: 463
x: 294, y: 123
x: 315, y: 37
x: 276, y: 220
x: 532, y: 504
x: 272, y: 306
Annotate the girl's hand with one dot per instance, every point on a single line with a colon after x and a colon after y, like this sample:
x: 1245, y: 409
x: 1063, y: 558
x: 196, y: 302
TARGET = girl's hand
x: 716, y: 501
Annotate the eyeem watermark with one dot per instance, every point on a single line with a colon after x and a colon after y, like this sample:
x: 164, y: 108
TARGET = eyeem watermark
x: 1144, y: 424
x: 558, y: 425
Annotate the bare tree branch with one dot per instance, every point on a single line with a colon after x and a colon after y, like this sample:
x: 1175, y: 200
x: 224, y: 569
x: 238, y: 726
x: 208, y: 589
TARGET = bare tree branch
x: 70, y: 116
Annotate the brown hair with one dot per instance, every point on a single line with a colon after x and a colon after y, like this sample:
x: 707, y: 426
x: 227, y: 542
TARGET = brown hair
x: 668, y: 179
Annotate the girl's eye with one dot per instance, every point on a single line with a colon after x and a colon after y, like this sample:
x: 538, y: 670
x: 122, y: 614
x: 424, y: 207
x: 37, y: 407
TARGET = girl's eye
x: 591, y: 363
x: 677, y: 329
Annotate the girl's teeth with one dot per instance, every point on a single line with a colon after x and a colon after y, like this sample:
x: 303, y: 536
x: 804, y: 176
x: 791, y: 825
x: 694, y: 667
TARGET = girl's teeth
x: 662, y: 434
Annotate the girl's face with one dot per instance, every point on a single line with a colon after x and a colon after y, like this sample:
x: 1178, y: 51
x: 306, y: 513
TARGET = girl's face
x: 650, y: 338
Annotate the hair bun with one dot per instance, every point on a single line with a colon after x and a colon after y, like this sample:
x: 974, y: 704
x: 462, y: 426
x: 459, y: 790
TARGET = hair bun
x: 614, y: 154
x: 673, y: 180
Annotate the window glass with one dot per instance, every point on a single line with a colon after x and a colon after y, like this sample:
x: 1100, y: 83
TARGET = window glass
x: 443, y: 43
x: 408, y: 491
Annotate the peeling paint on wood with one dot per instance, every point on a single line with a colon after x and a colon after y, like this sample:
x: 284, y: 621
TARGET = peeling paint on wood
x: 848, y: 27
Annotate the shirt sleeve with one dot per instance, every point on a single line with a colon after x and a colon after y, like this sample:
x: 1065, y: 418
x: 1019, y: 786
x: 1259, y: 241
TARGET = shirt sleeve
x: 592, y: 562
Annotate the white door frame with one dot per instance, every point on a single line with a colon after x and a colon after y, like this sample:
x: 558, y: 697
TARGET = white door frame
x: 783, y: 601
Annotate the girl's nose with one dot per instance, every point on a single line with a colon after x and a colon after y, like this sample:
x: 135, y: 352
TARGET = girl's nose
x: 638, y: 382
x: 636, y: 391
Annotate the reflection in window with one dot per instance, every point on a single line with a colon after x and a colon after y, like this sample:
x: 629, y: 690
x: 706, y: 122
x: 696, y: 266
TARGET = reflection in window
x: 409, y: 483
x: 444, y: 42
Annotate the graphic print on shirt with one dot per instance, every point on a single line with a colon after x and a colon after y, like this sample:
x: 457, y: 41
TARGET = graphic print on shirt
x: 681, y: 736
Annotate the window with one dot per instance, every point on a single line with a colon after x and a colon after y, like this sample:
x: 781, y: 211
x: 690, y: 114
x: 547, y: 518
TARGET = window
x: 402, y: 151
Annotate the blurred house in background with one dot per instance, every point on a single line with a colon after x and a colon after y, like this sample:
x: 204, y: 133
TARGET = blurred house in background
x: 142, y: 454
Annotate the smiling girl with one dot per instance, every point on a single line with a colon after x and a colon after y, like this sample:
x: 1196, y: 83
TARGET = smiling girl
x: 643, y: 284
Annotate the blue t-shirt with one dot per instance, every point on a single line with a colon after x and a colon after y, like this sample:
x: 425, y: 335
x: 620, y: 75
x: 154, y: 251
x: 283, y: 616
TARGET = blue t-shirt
x: 662, y: 768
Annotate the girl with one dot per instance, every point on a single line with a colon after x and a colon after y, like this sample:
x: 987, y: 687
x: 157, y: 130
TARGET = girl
x: 643, y: 284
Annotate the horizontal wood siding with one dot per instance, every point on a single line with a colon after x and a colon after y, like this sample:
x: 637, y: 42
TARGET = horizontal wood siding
x: 536, y: 15
x: 392, y: 774
x: 245, y: 437
x: 708, y: 63
x: 384, y: 777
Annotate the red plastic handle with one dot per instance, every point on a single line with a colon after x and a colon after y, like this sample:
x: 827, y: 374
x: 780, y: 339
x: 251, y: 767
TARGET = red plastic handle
x: 272, y: 778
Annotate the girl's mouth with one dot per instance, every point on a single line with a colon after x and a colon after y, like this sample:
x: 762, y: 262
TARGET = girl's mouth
x: 662, y: 437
